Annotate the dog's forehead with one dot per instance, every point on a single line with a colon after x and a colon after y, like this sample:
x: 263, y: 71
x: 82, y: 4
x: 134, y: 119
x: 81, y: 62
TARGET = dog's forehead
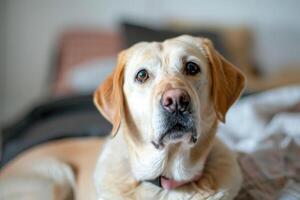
x: 184, y: 41
x: 162, y: 53
x: 184, y: 46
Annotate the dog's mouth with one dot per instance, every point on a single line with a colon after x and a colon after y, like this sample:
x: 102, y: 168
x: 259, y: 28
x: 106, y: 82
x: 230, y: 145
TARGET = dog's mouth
x: 175, y: 134
x: 175, y: 127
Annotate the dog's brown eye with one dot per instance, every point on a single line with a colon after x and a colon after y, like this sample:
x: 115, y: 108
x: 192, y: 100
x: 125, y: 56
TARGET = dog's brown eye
x: 142, y: 76
x: 191, y: 68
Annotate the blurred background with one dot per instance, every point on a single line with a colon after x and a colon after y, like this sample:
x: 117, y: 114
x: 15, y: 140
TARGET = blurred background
x: 42, y: 40
x: 54, y: 51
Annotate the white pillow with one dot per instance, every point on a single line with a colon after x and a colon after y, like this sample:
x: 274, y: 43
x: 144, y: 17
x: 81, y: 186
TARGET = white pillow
x: 87, y: 76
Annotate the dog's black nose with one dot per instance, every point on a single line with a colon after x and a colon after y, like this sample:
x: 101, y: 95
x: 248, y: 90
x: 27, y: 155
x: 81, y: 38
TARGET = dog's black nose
x: 175, y: 100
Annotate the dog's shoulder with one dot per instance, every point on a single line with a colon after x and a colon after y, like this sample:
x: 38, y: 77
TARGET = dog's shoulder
x: 112, y: 173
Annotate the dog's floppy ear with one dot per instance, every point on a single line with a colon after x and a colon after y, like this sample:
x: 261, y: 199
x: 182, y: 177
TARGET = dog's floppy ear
x: 109, y: 98
x: 227, y: 82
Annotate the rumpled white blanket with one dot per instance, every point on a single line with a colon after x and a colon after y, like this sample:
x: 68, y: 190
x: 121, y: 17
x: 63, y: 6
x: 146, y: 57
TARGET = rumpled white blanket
x: 263, y: 121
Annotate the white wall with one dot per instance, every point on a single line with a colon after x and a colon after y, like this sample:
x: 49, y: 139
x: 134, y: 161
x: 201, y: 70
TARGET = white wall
x: 2, y: 57
x: 33, y: 27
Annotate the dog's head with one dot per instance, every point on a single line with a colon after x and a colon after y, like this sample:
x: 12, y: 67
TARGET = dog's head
x: 169, y: 92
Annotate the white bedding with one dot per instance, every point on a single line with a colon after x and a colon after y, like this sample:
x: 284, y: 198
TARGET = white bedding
x: 263, y: 121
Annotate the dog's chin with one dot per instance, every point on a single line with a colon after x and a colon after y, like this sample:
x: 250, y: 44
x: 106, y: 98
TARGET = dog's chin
x: 175, y: 136
x: 179, y: 136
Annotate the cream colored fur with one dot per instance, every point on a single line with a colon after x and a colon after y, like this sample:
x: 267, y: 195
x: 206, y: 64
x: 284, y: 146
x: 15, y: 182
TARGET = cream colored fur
x: 129, y: 158
x: 69, y: 168
x: 45, y: 179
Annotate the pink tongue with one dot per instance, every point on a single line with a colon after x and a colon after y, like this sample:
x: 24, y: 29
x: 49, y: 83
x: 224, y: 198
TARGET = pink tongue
x: 170, y: 184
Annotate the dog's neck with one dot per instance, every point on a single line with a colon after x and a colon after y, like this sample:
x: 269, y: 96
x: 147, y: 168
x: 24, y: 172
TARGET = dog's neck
x: 177, y: 162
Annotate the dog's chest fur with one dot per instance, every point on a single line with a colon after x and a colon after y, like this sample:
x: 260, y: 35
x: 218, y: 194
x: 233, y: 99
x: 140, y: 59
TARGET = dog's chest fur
x: 114, y: 178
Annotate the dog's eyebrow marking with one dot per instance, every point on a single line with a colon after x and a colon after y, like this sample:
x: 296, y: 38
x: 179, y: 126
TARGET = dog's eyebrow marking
x: 184, y: 59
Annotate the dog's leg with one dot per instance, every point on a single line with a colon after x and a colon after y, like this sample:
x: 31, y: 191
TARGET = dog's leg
x: 222, y: 177
x: 46, y: 179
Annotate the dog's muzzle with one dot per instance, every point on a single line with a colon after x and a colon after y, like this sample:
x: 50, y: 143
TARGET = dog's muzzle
x: 177, y: 118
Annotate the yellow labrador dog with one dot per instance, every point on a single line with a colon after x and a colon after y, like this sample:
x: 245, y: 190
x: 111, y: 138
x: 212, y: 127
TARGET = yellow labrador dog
x: 164, y: 100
